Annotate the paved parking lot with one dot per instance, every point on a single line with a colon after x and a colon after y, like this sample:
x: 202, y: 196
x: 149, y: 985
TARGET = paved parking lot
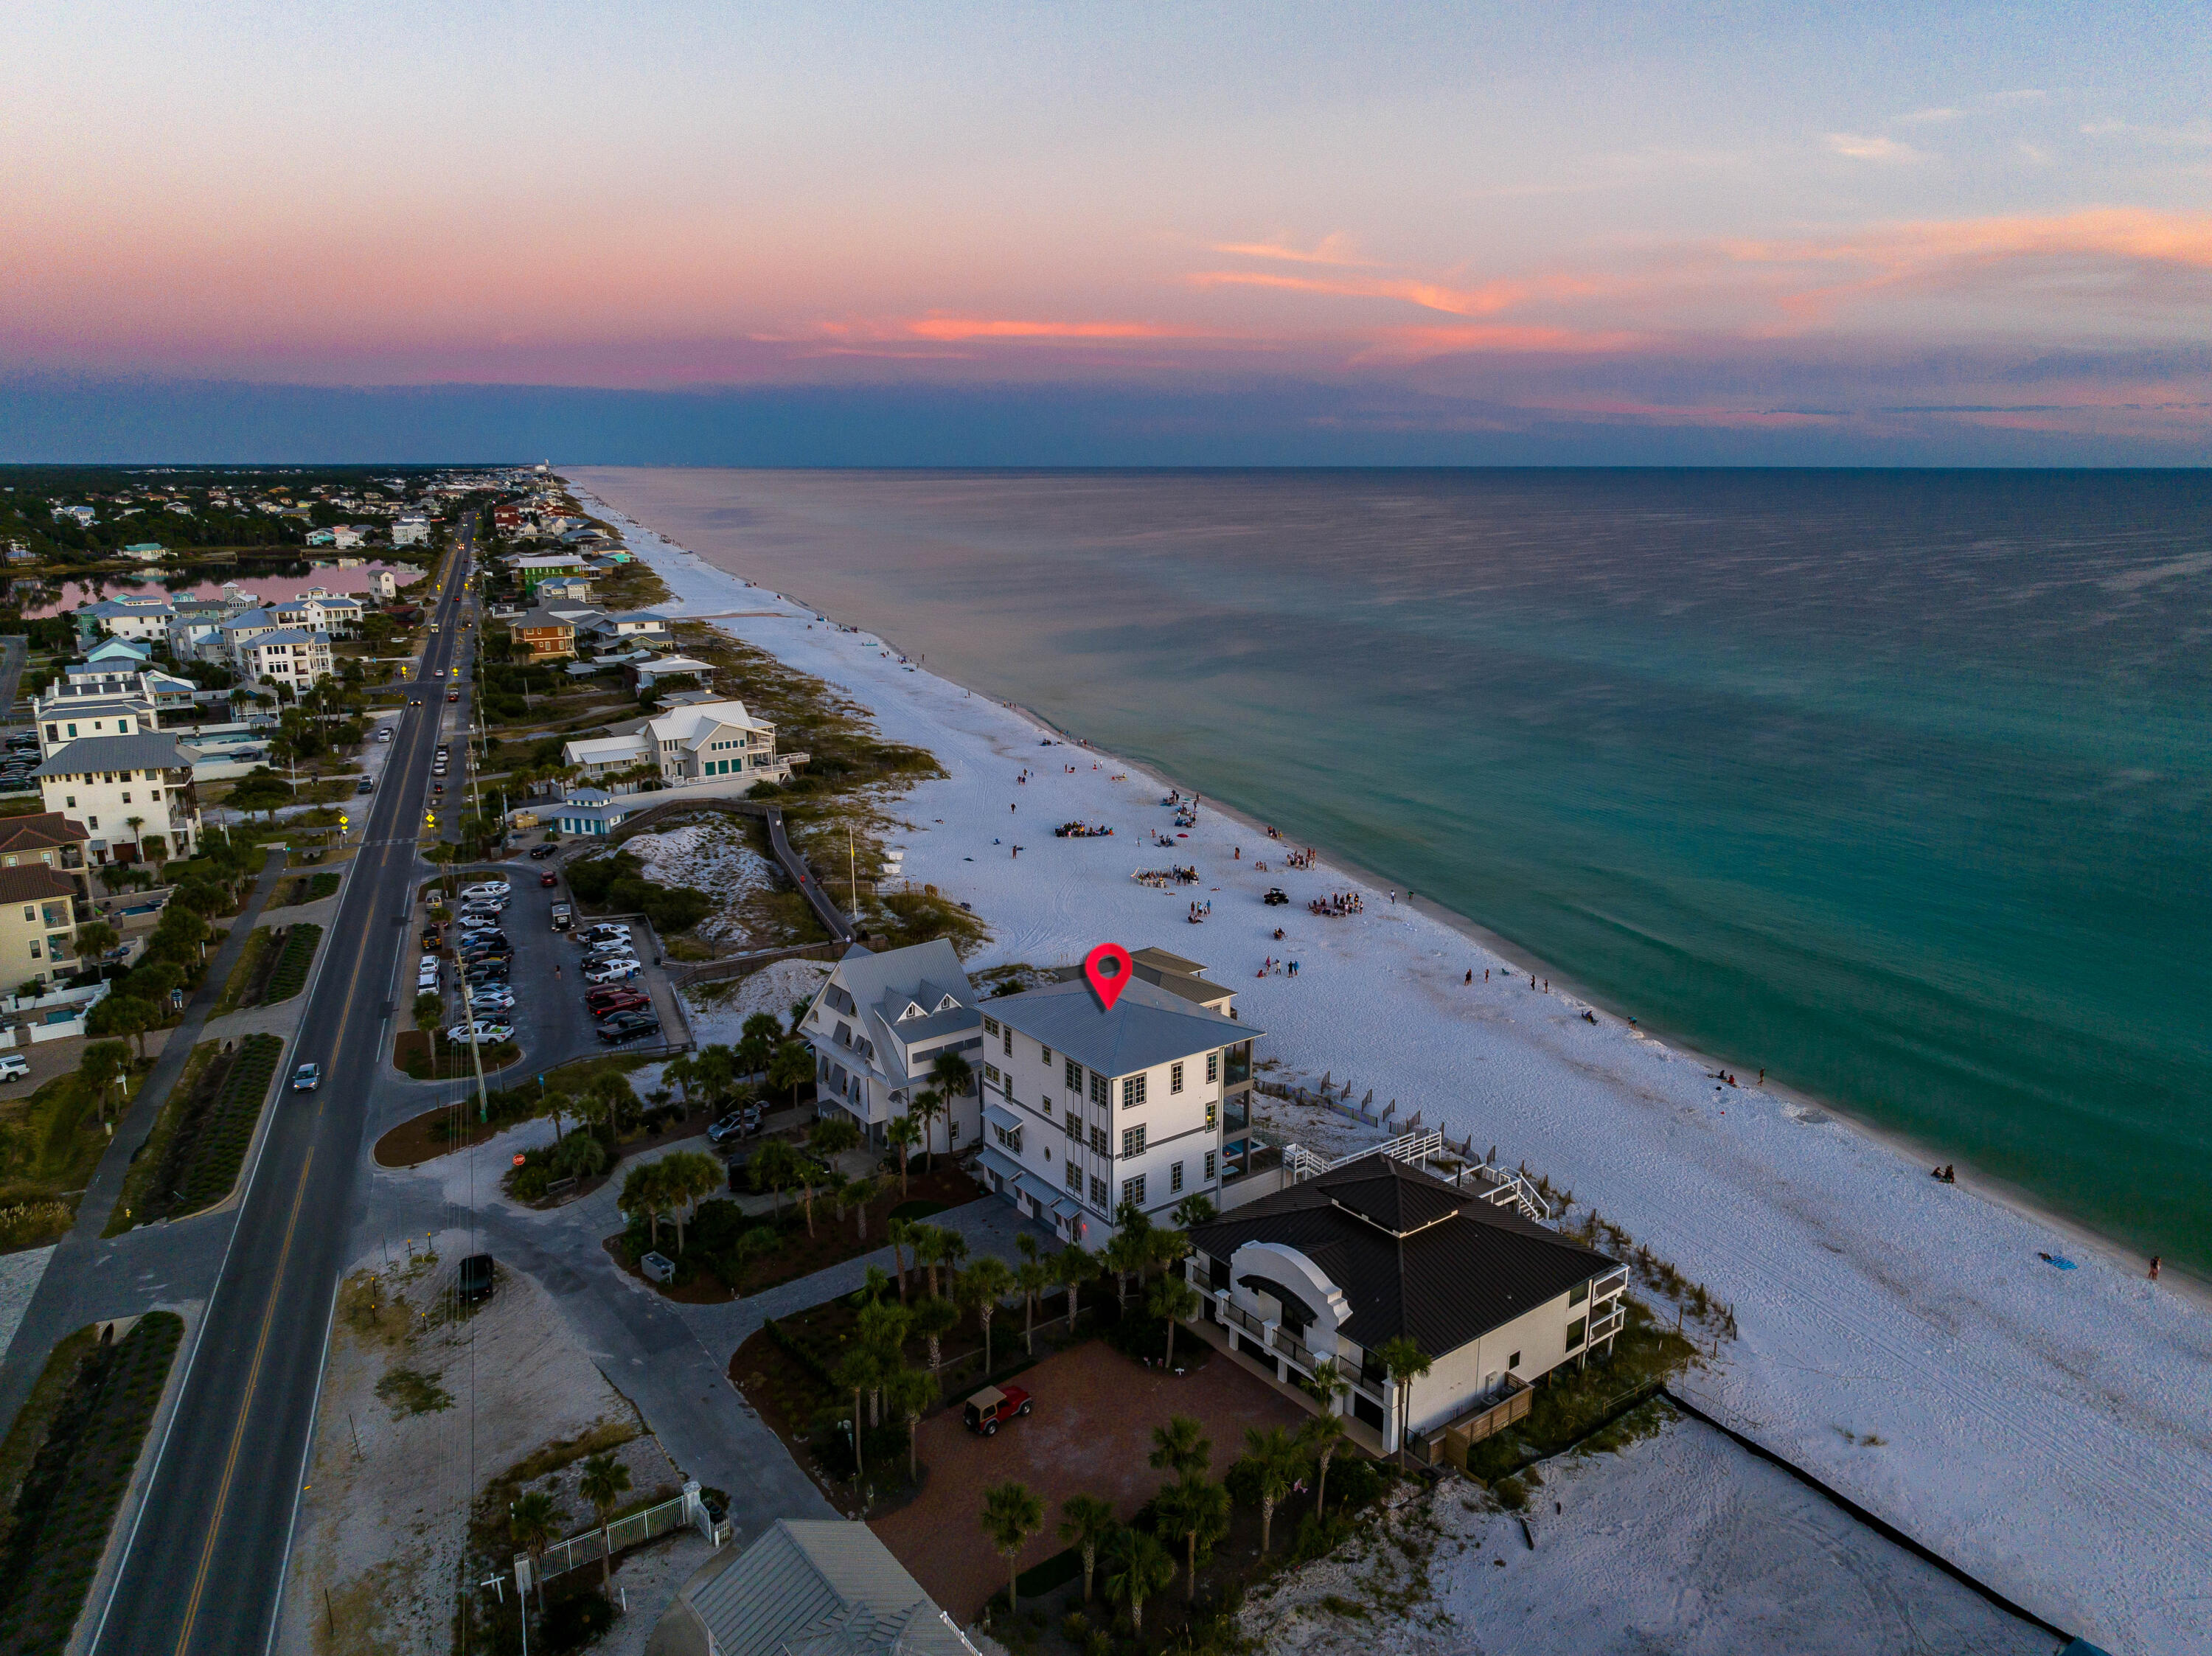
x: 549, y: 1020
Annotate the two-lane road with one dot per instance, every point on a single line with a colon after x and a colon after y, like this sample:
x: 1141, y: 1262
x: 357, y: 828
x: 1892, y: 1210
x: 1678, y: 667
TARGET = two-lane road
x: 206, y: 1556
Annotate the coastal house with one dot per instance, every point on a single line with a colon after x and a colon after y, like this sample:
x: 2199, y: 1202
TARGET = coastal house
x: 532, y: 567
x: 195, y: 630
x: 1333, y: 1269
x: 589, y: 811
x: 146, y: 551
x: 38, y: 923
x: 318, y: 611
x: 410, y: 529
x: 877, y: 1025
x: 546, y: 636
x: 571, y: 589
x: 128, y: 790
x: 82, y: 516
x: 66, y: 714
x: 51, y: 841
x: 714, y: 745
x: 138, y: 616
x: 644, y: 675
x: 240, y: 630
x: 1085, y: 1108
x: 818, y: 1587
x: 630, y: 629
x: 288, y: 657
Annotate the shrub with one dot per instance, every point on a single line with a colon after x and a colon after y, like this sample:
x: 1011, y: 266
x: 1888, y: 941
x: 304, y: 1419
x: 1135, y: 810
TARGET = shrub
x: 572, y: 1623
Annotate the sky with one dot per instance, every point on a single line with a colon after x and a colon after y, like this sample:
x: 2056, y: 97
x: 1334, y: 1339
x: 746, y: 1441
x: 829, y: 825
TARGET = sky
x: 1090, y: 234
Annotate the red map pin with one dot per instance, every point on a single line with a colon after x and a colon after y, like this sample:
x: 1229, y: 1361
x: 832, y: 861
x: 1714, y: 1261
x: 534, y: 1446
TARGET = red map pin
x: 1108, y: 968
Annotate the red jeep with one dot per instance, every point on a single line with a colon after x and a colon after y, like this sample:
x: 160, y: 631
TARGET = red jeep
x: 992, y: 1405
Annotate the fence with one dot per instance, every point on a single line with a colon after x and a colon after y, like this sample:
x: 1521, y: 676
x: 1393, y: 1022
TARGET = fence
x: 686, y: 1510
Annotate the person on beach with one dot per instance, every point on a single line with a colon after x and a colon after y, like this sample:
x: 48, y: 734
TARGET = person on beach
x: 2153, y: 1267
x: 1470, y: 974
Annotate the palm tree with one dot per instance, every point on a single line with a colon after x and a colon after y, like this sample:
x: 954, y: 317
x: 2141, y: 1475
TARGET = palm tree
x: 689, y: 1174
x: 716, y: 1069
x: 1140, y: 1568
x: 1196, y: 1511
x: 874, y: 1287
x: 774, y: 1166
x: 908, y: 1392
x: 749, y: 1248
x: 1033, y: 1278
x: 926, y: 1106
x: 792, y: 1068
x: 1181, y: 1447
x: 646, y: 1192
x: 1123, y: 1256
x: 1166, y: 1248
x: 757, y: 1043
x: 856, y: 1194
x: 1406, y: 1363
x: 534, y: 1523
x: 934, y: 1319
x: 681, y: 1072
x: 944, y: 1247
x: 901, y: 1133
x: 1170, y: 1299
x: 1076, y: 1268
x: 1275, y: 1458
x: 1085, y: 1521
x: 1012, y: 1514
x: 901, y: 1233
x: 953, y: 1078
x: 860, y: 1371
x: 1196, y: 1209
x: 1321, y: 1437
x: 834, y: 1135
x: 982, y: 1287
x: 605, y: 1481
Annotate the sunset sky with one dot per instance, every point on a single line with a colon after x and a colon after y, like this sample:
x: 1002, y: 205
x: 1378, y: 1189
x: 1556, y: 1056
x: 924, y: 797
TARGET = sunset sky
x: 1419, y: 231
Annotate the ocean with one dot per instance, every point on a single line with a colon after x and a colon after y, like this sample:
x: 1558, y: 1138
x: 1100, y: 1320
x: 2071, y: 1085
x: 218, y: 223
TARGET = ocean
x: 1896, y: 785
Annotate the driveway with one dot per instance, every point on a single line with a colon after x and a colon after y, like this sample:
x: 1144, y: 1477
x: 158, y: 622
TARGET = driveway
x: 1090, y: 1435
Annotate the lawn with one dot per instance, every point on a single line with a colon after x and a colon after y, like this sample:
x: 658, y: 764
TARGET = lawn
x: 50, y: 1142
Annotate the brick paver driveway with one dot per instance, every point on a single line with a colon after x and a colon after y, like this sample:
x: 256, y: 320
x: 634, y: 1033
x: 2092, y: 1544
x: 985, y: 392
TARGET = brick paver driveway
x: 1090, y: 1435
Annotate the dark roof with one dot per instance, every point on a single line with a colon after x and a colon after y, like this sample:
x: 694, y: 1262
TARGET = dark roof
x: 29, y: 882
x: 1413, y: 1254
x: 40, y: 830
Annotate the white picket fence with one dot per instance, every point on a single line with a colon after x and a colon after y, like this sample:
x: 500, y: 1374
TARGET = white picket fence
x: 560, y: 1558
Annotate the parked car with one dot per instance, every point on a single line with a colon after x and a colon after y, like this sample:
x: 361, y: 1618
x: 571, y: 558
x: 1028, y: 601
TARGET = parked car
x: 605, y: 1003
x: 539, y: 854
x: 992, y: 1404
x: 600, y: 930
x: 488, y: 972
x: 740, y: 1123
x: 611, y: 972
x: 486, y: 1033
x: 306, y: 1078
x: 498, y: 888
x: 14, y: 1066
x: 491, y: 999
x: 628, y: 1025
x: 611, y: 950
x: 367, y: 785
x: 452, y: 695
x: 563, y: 917
x: 433, y: 938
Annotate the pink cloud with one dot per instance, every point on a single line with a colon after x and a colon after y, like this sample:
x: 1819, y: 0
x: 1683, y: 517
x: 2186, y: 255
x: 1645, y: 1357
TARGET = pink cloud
x: 1333, y: 249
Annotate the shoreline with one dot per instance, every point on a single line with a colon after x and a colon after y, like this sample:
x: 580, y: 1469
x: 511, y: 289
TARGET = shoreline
x: 2078, y: 1234
x: 2041, y: 1428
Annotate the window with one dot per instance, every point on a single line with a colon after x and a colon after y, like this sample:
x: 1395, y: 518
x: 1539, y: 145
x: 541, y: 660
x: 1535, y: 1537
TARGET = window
x: 990, y: 1026
x: 1098, y: 1142
x: 952, y: 1129
x: 1097, y: 1191
x: 1098, y: 1091
x: 1010, y: 1041
x: 1075, y: 1077
x: 1132, y: 1190
x: 1213, y: 1066
x: 1175, y: 1178
x: 1010, y: 1137
x: 1578, y: 1292
x: 1075, y: 1179
x: 1212, y: 1109
x: 1575, y: 1330
x: 1209, y: 1167
x: 1132, y: 1141
x: 1047, y: 1058
x: 1074, y: 1128
x: 1174, y: 1078
x: 1132, y: 1087
x: 34, y: 949
x: 1045, y: 1100
x: 30, y: 912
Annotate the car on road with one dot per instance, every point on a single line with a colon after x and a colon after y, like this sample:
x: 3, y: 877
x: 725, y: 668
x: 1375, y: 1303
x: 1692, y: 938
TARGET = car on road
x: 306, y: 1078
x: 485, y: 1034
x: 452, y: 695
x: 414, y: 700
x: 14, y: 1066
x: 988, y: 1407
x: 549, y: 878
x: 539, y: 854
x: 628, y: 1025
x: 611, y: 972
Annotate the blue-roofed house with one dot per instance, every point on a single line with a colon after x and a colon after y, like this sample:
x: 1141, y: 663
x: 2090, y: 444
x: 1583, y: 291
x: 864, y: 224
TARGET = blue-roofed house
x: 876, y: 1026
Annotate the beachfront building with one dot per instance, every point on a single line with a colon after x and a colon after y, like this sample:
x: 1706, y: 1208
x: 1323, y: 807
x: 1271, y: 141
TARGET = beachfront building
x: 1334, y: 1268
x: 817, y: 1587
x: 38, y: 923
x: 1086, y: 1109
x: 589, y: 812
x: 287, y: 657
x: 876, y: 1028
x: 318, y: 611
x: 133, y: 794
x: 647, y: 674
x: 133, y: 618
x: 630, y: 629
x: 410, y: 529
x: 715, y: 746
x: 530, y: 568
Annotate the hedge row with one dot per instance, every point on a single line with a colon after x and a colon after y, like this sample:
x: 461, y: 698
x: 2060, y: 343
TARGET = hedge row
x: 68, y: 1501
x: 220, y: 1147
x: 291, y: 974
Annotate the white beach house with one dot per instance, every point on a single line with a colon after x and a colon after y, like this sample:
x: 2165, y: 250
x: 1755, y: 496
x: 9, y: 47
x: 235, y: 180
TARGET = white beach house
x: 713, y: 746
x: 1334, y: 1269
x: 1084, y: 1108
x: 127, y: 789
x: 877, y: 1025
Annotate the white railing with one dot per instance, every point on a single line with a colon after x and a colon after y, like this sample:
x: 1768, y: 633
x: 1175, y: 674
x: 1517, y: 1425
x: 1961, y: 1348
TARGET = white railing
x: 1300, y: 1163
x: 686, y: 1509
x: 1508, y: 1189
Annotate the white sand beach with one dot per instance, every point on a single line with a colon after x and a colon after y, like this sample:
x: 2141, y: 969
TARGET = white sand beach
x: 2044, y: 1430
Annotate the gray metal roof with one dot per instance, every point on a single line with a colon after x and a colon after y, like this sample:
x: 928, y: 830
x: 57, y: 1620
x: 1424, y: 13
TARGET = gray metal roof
x: 1148, y: 1026
x: 823, y: 1587
x: 146, y: 751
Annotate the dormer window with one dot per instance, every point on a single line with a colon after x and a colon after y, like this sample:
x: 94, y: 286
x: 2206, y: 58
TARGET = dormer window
x: 948, y: 1004
x: 912, y: 1011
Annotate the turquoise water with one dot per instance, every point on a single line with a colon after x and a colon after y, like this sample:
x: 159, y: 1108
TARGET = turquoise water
x: 1896, y: 784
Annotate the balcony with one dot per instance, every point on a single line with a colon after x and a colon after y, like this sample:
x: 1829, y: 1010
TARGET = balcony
x: 1605, y: 1326
x: 1289, y: 1344
x: 1234, y: 1316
